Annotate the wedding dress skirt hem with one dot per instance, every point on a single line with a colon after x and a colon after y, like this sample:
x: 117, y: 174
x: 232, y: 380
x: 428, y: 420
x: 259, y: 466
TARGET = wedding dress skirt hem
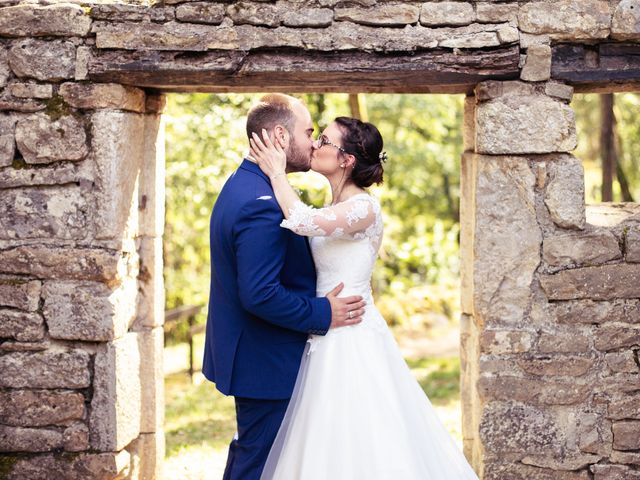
x: 357, y: 412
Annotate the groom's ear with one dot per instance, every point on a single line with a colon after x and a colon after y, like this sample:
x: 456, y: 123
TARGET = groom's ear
x: 281, y: 134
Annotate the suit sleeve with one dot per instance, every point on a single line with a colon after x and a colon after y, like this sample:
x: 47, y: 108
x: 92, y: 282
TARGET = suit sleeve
x: 260, y: 245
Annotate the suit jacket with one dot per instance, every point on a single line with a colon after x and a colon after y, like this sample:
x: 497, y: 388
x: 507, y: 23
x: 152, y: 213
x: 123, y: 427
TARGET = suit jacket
x: 262, y: 302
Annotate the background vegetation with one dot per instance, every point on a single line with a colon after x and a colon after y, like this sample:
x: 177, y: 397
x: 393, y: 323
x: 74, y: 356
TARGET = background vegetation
x: 416, y: 282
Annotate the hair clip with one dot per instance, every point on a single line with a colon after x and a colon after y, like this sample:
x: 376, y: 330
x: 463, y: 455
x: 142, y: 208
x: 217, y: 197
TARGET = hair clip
x: 382, y: 157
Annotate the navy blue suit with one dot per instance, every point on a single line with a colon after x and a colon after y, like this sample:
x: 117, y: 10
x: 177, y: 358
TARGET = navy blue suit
x: 262, y: 307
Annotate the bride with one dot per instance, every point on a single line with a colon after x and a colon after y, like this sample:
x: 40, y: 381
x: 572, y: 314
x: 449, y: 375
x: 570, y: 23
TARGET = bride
x: 356, y: 410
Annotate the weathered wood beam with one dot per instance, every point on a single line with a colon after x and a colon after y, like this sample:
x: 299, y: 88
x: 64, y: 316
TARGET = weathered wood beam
x: 434, y: 71
x: 603, y: 68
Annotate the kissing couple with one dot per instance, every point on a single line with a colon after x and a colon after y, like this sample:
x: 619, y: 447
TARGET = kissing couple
x: 321, y: 390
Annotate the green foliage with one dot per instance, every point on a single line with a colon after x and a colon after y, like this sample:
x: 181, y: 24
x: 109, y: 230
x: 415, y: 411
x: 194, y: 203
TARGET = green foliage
x: 416, y: 280
x: 587, y: 109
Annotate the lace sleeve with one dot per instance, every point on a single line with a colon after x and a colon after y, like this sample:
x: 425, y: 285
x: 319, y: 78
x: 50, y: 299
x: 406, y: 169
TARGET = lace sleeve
x: 345, y: 219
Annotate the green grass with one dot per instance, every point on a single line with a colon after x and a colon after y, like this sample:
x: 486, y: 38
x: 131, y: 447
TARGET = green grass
x: 200, y: 422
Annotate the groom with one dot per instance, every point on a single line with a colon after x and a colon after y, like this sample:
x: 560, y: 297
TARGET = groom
x: 263, y: 303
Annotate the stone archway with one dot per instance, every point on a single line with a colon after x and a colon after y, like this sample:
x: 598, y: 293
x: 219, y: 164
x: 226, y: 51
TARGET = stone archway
x: 550, y: 290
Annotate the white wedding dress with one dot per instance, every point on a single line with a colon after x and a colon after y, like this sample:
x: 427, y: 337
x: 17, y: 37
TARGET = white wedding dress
x: 357, y: 413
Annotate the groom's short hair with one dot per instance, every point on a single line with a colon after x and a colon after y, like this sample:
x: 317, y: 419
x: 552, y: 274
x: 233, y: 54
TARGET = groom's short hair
x: 272, y: 109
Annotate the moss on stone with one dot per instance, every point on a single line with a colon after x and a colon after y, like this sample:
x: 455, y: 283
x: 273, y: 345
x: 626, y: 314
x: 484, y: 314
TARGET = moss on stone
x: 19, y: 163
x: 6, y: 465
x: 57, y: 108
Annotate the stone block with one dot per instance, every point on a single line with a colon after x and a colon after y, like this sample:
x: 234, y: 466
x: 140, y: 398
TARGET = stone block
x: 498, y: 342
x: 165, y: 36
x: 103, y: 466
x: 155, y: 102
x: 5, y: 71
x: 491, y: 12
x: 590, y: 312
x: 120, y: 12
x: 7, y: 139
x: 151, y: 345
x: 19, y: 293
x: 613, y: 336
x: 42, y: 139
x: 83, y: 55
x: 605, y: 282
x: 201, y: 12
x: 630, y: 458
x: 562, y: 342
x: 632, y: 244
x: 18, y: 439
x: 21, y: 326
x: 515, y: 427
x: 80, y: 173
x: 29, y: 20
x: 383, y: 14
x: 119, y: 156
x: 582, y: 248
x: 528, y: 39
x: 89, y: 311
x: 76, y: 438
x: 537, y: 67
x: 622, y: 362
x: 447, y: 13
x: 594, y: 433
x: 48, y: 369
x: 249, y: 13
x: 151, y: 191
x: 45, y: 212
x: 40, y: 408
x: 103, y: 95
x: 63, y: 263
x: 31, y: 90
x: 150, y: 309
x: 625, y: 407
x: 505, y: 228
x: 43, y: 60
x: 147, y: 452
x: 626, y: 21
x: 17, y: 346
x: 308, y: 17
x: 527, y: 390
x: 566, y: 19
x: 626, y: 435
x: 556, y: 365
x: 524, y: 124
x: 115, y: 416
x: 345, y: 36
x: 559, y: 90
x: 561, y: 461
x: 614, y: 472
x: 514, y: 470
x: 564, y: 195
x: 469, y: 124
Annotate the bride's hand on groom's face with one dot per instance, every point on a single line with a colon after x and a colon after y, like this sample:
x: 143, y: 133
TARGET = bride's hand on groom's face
x: 271, y: 158
x: 345, y: 311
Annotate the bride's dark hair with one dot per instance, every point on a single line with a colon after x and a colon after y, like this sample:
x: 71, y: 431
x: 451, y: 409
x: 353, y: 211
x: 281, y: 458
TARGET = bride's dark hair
x: 363, y: 141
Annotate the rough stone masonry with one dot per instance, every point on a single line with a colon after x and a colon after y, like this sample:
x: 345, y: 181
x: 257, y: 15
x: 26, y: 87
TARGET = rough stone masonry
x: 550, y: 287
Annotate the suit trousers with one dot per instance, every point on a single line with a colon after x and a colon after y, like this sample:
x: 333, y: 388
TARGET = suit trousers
x: 258, y: 423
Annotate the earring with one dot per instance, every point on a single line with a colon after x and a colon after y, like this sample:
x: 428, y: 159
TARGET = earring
x: 342, y: 165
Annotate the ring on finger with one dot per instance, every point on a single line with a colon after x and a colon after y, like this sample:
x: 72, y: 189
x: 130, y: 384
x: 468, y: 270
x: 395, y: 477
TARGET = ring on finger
x: 350, y: 314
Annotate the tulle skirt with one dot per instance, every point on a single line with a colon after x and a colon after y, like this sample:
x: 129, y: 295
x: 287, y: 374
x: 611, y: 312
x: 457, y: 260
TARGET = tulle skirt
x: 357, y: 413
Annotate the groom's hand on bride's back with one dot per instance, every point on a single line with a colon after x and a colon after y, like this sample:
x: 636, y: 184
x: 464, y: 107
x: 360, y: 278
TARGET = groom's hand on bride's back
x: 345, y: 311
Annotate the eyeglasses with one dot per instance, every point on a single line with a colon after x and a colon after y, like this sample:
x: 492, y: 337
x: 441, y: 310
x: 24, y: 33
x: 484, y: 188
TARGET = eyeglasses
x: 323, y: 140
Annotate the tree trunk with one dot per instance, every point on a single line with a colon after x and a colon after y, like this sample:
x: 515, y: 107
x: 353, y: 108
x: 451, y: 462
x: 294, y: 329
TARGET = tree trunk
x: 358, y: 106
x: 607, y: 146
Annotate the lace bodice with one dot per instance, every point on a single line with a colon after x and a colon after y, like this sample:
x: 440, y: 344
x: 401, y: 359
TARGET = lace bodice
x: 345, y: 243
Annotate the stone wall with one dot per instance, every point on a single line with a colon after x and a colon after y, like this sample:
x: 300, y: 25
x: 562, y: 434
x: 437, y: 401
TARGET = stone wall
x: 551, y: 298
x: 550, y: 289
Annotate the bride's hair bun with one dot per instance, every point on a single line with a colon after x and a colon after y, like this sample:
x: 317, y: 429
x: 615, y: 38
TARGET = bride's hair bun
x: 363, y: 141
